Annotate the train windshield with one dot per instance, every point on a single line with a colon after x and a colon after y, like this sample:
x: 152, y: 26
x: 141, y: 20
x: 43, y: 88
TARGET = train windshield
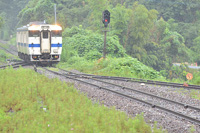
x: 45, y: 34
x: 34, y: 33
x: 56, y: 33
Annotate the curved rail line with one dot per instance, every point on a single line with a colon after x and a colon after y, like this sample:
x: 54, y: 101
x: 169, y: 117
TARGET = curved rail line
x: 141, y: 92
x: 7, y: 50
x: 178, y: 85
x: 121, y: 93
x: 15, y: 65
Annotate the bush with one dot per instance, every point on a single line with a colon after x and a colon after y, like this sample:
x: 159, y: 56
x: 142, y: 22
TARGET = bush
x: 123, y: 67
x: 196, y: 78
x: 67, y: 53
x: 92, y: 55
x: 89, y: 45
x: 130, y: 66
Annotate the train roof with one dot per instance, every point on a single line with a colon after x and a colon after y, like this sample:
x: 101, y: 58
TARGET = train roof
x: 39, y: 26
x: 37, y: 23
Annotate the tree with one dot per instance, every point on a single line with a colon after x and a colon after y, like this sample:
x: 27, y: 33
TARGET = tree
x: 185, y: 13
x: 36, y: 10
x: 120, y: 22
x: 196, y: 49
x: 157, y: 32
x: 95, y: 14
x: 8, y: 11
x: 175, y: 45
x: 69, y: 12
x: 140, y: 24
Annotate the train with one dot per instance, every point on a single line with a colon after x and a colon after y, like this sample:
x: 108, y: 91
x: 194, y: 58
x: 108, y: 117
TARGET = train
x: 39, y: 43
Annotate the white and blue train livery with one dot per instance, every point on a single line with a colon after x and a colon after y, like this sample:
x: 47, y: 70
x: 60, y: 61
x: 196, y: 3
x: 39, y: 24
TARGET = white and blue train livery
x: 39, y: 42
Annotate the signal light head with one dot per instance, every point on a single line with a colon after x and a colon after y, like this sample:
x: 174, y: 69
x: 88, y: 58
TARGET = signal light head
x: 106, y: 18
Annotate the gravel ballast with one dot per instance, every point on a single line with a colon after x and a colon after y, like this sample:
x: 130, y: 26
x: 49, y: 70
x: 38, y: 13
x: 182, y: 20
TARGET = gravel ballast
x: 171, y: 123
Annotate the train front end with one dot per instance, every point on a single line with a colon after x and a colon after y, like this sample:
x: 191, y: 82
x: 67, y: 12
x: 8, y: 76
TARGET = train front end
x: 45, y: 43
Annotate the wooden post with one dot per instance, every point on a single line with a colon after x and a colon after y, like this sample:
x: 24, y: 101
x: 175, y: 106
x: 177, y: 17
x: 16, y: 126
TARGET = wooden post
x: 104, y: 49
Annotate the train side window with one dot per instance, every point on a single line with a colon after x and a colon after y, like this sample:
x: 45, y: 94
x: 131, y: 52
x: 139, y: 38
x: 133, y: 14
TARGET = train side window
x: 34, y: 33
x: 45, y: 34
x: 56, y: 33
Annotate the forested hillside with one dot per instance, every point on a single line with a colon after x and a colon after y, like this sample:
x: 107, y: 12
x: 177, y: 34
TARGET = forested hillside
x: 9, y: 10
x: 156, y: 32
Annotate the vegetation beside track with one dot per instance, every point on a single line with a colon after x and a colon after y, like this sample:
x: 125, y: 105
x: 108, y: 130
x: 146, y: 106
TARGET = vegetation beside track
x: 12, y: 41
x: 4, y: 56
x: 129, y: 67
x: 31, y: 102
x: 82, y: 48
x: 123, y: 67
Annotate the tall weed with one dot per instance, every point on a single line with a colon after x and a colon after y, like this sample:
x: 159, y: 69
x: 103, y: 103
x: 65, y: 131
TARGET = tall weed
x: 31, y: 102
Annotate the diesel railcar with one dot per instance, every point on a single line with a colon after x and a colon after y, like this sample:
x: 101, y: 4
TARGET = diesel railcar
x: 39, y: 42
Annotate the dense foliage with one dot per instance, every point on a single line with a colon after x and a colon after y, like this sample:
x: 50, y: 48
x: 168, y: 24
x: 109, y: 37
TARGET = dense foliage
x: 156, y: 32
x: 9, y: 9
x: 84, y: 43
x: 31, y: 102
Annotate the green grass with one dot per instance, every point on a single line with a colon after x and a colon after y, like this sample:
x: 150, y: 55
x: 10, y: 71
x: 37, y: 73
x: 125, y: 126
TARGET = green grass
x: 195, y: 94
x: 12, y: 41
x: 31, y: 102
x: 4, y: 55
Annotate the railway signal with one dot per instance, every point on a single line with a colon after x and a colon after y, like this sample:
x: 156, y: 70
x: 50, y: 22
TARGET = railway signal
x: 106, y: 18
x: 106, y: 21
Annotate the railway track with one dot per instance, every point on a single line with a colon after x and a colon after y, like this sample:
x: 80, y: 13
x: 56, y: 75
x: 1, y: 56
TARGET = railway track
x: 13, y: 52
x: 3, y: 42
x: 178, y: 85
x: 179, y: 109
x: 15, y: 65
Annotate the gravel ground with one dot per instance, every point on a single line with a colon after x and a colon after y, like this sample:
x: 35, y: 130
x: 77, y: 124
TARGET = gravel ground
x: 165, y: 92
x: 168, y: 121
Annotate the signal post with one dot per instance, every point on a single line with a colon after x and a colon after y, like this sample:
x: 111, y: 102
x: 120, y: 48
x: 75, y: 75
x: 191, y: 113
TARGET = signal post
x: 106, y: 21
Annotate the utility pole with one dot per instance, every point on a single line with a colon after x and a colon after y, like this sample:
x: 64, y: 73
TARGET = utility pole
x: 55, y: 13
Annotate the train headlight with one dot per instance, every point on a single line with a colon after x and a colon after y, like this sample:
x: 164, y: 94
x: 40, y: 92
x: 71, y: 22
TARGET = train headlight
x: 55, y: 57
x: 35, y: 57
x: 55, y: 51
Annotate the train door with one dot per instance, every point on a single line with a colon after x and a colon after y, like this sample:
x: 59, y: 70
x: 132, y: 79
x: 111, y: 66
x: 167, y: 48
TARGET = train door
x: 45, y: 41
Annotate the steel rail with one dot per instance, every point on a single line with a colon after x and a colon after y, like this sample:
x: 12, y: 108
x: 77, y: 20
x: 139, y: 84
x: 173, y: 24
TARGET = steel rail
x: 139, y: 80
x: 141, y: 92
x: 25, y: 64
x: 127, y: 96
x: 3, y: 66
x: 16, y: 65
x: 6, y: 50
